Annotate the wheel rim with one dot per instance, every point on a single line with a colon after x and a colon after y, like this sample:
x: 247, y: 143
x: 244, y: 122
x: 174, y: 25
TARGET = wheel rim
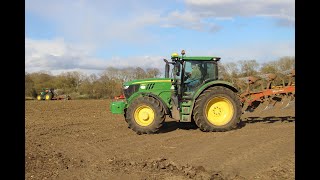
x: 39, y: 98
x: 219, y: 111
x: 47, y: 97
x: 144, y: 115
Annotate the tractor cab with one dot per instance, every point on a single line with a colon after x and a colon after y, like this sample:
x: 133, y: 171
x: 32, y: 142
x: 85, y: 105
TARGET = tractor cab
x: 191, y: 73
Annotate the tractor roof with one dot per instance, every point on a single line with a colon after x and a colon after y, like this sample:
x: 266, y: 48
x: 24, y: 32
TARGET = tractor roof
x: 198, y: 58
x: 193, y: 58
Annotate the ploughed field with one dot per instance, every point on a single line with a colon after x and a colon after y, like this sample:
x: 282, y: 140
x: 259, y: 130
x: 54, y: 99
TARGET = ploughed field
x: 81, y: 139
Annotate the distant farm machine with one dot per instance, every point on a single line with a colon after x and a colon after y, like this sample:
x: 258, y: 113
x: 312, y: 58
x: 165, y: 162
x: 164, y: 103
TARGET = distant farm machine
x: 194, y: 93
x: 51, y: 94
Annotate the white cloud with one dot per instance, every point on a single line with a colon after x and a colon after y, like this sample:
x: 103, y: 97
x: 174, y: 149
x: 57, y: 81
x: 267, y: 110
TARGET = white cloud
x: 92, y: 24
x: 283, y: 10
x: 188, y: 20
x: 57, y: 56
x: 98, y: 22
x: 103, y: 22
x: 261, y: 52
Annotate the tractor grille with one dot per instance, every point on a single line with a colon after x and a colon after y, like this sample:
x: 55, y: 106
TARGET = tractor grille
x: 150, y: 86
x: 130, y: 90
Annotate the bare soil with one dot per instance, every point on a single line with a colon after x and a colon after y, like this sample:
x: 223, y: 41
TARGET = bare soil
x: 81, y: 139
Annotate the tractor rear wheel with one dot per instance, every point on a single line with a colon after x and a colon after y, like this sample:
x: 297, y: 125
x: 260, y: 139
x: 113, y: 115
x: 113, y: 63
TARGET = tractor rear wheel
x: 217, y: 109
x: 145, y: 115
x: 39, y: 98
x: 48, y: 96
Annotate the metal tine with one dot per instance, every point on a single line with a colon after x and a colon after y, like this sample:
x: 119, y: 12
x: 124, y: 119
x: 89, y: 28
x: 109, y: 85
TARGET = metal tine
x: 261, y: 107
x: 289, y: 104
x: 268, y: 107
x: 264, y: 105
x: 273, y: 100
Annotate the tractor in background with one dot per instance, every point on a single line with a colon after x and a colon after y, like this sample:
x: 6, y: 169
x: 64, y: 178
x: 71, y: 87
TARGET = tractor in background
x: 51, y: 94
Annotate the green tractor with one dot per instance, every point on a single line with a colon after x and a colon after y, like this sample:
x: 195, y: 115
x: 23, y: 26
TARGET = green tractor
x: 52, y: 94
x: 192, y: 93
x: 46, y: 94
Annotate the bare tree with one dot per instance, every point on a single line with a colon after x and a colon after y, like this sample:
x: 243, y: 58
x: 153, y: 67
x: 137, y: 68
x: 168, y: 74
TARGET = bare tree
x: 29, y: 86
x: 270, y: 67
x: 286, y: 63
x: 109, y: 82
x: 140, y: 73
x: 249, y: 67
x: 153, y: 72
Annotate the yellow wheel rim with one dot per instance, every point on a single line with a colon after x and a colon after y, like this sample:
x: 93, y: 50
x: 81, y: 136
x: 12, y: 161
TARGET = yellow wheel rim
x: 144, y: 115
x: 219, y: 111
x: 47, y: 97
x: 39, y: 98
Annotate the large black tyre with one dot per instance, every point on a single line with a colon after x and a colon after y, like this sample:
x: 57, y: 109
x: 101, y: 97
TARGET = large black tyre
x: 145, y: 115
x: 217, y: 109
x: 48, y: 96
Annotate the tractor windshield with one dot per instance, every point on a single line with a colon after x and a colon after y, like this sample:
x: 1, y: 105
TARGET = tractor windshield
x: 197, y: 72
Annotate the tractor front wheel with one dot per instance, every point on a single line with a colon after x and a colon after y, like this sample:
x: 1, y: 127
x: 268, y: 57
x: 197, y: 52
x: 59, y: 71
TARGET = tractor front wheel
x: 217, y: 109
x: 145, y: 115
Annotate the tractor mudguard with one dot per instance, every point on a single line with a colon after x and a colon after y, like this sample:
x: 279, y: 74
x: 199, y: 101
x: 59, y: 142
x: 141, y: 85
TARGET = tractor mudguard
x: 117, y: 107
x: 215, y: 83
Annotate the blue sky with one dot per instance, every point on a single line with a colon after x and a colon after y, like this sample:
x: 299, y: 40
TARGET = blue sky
x: 89, y: 36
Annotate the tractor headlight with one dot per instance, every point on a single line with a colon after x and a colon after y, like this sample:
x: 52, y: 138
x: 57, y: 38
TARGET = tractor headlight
x: 125, y: 87
x: 142, y: 87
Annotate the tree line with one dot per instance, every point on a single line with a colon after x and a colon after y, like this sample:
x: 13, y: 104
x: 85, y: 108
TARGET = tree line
x: 108, y: 83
